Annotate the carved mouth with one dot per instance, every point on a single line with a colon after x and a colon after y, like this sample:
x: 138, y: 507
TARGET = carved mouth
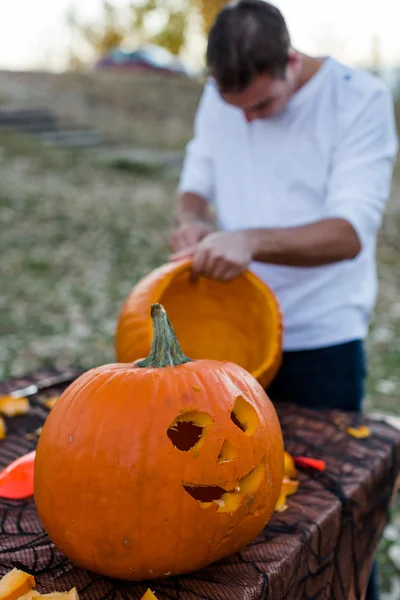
x: 228, y: 501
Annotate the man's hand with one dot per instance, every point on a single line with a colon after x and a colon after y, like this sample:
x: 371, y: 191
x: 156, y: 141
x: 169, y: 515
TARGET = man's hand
x: 220, y: 255
x: 189, y: 234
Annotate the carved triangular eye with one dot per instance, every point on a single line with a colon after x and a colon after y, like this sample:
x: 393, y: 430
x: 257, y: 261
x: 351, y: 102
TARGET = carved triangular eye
x: 187, y: 430
x: 244, y: 416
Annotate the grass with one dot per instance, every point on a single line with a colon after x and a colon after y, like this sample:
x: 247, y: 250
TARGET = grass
x: 76, y: 238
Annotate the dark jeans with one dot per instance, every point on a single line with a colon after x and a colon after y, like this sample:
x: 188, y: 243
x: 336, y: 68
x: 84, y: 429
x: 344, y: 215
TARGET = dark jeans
x: 330, y: 377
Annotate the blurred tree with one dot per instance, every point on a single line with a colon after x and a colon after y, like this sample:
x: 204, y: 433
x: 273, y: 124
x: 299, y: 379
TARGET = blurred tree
x: 106, y: 35
x: 209, y: 10
x: 161, y: 22
x: 74, y: 61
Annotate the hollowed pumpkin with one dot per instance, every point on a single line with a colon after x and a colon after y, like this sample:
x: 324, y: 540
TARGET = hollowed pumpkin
x: 159, y: 467
x: 239, y: 321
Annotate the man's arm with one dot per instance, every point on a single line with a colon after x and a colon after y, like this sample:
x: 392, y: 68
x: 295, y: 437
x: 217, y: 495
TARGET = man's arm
x: 193, y: 208
x: 225, y: 255
x: 313, y: 245
x: 193, y: 221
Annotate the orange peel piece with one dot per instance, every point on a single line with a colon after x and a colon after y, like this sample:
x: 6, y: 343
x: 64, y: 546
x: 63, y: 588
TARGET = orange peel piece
x: 50, y: 402
x: 289, y: 487
x: 149, y: 595
x: 12, y: 407
x: 15, y: 584
x: 360, y: 433
x: 71, y: 595
x: 2, y: 429
x: 289, y: 466
x: 35, y: 434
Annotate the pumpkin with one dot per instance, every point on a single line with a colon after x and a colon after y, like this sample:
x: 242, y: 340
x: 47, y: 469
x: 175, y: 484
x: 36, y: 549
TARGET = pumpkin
x: 159, y: 467
x: 16, y: 583
x: 239, y: 321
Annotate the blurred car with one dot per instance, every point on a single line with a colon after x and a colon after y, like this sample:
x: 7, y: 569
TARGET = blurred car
x: 145, y: 58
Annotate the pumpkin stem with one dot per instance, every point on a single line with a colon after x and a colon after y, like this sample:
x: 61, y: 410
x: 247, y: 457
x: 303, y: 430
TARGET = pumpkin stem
x: 165, y: 350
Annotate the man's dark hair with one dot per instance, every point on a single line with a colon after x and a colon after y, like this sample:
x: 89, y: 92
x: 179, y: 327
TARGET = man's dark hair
x: 249, y: 38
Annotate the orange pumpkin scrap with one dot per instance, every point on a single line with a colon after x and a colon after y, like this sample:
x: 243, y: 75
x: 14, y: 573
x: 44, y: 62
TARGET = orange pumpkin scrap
x: 360, y: 433
x: 239, y: 321
x: 50, y: 402
x: 35, y: 434
x: 15, y: 584
x: 289, y: 487
x: 160, y: 467
x: 289, y: 466
x: 71, y: 595
x: 29, y: 595
x: 289, y: 484
x: 149, y: 595
x: 12, y: 407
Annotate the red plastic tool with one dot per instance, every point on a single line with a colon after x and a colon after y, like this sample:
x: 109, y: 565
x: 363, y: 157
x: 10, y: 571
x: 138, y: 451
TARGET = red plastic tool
x: 16, y: 480
x: 312, y: 463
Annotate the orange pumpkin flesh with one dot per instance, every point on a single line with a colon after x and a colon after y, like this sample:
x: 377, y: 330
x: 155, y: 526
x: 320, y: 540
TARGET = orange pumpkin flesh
x: 15, y: 584
x: 289, y: 487
x: 149, y: 595
x: 289, y: 466
x: 158, y: 468
x: 290, y: 484
x: 12, y: 407
x: 71, y: 595
x: 239, y: 321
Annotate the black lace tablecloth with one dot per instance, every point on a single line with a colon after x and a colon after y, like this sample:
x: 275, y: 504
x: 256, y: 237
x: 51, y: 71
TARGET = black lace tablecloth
x: 321, y: 548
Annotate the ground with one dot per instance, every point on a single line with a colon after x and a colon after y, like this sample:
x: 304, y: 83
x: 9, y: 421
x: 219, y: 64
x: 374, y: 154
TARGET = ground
x: 77, y: 234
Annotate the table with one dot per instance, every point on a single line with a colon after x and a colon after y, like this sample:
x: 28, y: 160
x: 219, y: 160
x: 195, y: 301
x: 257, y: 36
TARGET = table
x: 321, y: 547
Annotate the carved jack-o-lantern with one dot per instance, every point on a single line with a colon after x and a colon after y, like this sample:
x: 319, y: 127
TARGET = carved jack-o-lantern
x: 160, y: 467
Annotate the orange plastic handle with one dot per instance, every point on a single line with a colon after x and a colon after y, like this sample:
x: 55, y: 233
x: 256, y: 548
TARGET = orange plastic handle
x: 16, y: 480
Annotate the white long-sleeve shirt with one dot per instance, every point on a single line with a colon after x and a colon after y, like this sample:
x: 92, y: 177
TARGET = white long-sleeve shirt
x: 329, y: 154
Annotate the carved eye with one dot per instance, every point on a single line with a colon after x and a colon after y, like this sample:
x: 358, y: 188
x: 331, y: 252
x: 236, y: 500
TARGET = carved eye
x: 187, y: 430
x: 244, y: 416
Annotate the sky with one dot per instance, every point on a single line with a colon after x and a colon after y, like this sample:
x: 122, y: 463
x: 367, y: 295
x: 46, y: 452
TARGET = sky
x: 34, y: 33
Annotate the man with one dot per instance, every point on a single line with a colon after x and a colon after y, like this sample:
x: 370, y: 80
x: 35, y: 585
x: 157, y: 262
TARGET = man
x: 296, y: 154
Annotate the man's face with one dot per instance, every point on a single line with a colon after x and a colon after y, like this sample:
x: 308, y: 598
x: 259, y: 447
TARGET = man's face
x: 266, y: 96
